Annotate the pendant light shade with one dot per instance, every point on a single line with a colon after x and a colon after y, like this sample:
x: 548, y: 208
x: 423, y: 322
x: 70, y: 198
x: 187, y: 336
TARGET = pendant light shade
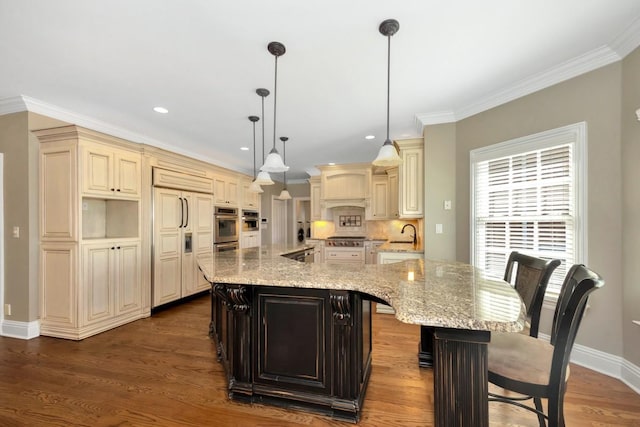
x: 263, y: 177
x: 388, y: 155
x: 274, y: 162
x: 254, y: 187
x: 284, y: 194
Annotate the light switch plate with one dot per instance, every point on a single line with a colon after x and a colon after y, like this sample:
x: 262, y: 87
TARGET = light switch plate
x: 438, y: 228
x: 447, y: 205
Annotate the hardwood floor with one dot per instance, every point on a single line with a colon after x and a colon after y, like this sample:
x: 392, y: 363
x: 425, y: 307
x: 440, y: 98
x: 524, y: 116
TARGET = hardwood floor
x: 162, y: 371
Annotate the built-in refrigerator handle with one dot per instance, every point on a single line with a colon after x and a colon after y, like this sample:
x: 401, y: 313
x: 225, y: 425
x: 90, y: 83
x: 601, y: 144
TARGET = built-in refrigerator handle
x: 181, y: 212
x: 186, y: 202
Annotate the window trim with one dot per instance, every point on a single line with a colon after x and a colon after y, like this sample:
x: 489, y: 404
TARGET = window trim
x: 575, y: 133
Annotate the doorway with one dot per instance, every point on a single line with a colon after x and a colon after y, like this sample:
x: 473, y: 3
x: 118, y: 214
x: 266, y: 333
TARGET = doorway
x: 300, y: 225
x: 278, y: 221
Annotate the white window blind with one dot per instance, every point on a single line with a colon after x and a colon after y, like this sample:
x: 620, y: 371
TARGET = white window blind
x: 526, y: 198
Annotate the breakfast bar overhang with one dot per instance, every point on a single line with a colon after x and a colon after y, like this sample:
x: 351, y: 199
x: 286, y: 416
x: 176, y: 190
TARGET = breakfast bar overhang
x: 298, y: 335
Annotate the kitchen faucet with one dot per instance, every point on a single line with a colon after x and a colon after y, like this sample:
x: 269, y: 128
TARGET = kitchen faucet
x: 415, y: 238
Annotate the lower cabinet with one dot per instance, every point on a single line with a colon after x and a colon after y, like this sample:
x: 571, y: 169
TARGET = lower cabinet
x: 85, y: 296
x: 111, y: 278
x: 294, y: 347
x: 249, y: 239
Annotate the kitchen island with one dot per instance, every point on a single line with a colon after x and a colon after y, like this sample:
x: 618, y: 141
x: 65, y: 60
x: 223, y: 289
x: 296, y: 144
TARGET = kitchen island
x: 299, y: 334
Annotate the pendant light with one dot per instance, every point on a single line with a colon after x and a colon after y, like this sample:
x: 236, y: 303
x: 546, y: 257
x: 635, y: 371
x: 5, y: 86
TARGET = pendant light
x: 254, y: 187
x: 273, y: 162
x: 263, y: 178
x: 388, y: 155
x: 284, y: 194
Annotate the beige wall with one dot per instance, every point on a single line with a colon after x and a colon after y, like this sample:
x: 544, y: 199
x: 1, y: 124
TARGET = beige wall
x: 14, y: 143
x: 440, y: 185
x: 631, y: 206
x: 595, y: 98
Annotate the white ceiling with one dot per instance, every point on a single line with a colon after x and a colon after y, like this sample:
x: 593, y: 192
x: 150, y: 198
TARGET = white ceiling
x: 106, y: 64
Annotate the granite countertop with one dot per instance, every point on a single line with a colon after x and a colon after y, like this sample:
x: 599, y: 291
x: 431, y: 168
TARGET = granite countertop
x: 446, y: 294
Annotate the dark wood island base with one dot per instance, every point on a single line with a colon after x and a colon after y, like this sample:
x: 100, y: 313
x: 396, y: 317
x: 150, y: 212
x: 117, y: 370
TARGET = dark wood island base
x: 294, y: 347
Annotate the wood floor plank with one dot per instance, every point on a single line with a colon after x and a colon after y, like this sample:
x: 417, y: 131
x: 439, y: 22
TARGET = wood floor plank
x: 162, y: 371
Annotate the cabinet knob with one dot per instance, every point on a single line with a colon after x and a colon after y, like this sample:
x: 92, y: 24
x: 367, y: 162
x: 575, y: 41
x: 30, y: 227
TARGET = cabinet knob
x: 118, y: 189
x: 113, y: 189
x: 118, y: 247
x: 112, y: 247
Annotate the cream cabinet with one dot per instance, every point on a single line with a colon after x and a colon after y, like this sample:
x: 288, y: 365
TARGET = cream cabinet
x: 380, y: 197
x: 392, y: 179
x: 249, y: 239
x: 90, y: 271
x: 411, y: 177
x: 110, y: 172
x: 314, y: 192
x: 111, y: 275
x: 250, y: 200
x: 225, y: 190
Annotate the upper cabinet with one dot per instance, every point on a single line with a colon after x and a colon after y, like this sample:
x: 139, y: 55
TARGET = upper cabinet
x: 384, y: 195
x: 411, y: 177
x: 110, y: 172
x: 250, y: 200
x: 380, y: 198
x: 225, y: 190
x: 314, y: 192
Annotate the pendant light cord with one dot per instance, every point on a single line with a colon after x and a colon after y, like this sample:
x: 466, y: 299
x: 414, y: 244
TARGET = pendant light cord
x: 262, y: 129
x: 275, y: 99
x: 388, y: 81
x: 254, y: 151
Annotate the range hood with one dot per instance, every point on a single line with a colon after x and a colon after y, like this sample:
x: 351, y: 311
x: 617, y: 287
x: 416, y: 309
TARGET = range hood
x: 346, y: 203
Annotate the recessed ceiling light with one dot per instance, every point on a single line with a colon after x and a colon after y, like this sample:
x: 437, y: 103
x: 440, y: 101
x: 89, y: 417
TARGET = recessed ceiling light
x: 331, y: 164
x: 370, y: 137
x: 244, y: 148
x: 160, y: 110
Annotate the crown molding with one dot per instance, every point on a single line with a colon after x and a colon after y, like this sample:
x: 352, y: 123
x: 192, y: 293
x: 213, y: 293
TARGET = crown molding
x: 14, y: 104
x: 627, y: 40
x: 620, y: 46
x: 26, y: 103
x: 436, y: 118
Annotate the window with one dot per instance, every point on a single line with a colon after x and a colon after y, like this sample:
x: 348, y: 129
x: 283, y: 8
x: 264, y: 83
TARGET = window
x: 529, y: 195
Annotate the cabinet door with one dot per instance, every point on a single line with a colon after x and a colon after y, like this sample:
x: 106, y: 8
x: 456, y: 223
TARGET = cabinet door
x: 128, y: 174
x: 128, y: 276
x: 58, y: 192
x: 97, y: 171
x: 316, y: 209
x: 308, y: 367
x: 250, y: 200
x: 232, y: 192
x: 167, y: 246
x: 393, y: 211
x: 201, y: 244
x: 411, y: 182
x: 380, y: 197
x: 219, y: 195
x: 97, y: 279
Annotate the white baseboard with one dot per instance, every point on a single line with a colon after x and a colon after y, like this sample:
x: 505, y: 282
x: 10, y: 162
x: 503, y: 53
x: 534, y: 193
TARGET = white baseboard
x: 22, y: 330
x: 631, y: 375
x: 605, y: 363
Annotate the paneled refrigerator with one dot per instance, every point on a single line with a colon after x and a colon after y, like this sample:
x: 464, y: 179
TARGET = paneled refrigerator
x: 182, y: 232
